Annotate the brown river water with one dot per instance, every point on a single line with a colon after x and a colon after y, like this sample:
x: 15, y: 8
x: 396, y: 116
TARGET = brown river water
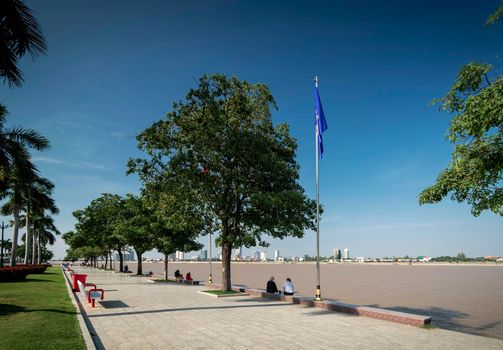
x: 463, y: 298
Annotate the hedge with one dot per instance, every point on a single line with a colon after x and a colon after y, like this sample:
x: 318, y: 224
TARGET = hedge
x: 17, y: 273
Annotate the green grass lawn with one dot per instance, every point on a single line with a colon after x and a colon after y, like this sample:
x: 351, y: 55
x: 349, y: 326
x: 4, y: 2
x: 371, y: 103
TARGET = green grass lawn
x: 38, y: 314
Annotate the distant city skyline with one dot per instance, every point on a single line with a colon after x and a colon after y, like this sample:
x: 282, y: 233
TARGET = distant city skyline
x: 380, y: 65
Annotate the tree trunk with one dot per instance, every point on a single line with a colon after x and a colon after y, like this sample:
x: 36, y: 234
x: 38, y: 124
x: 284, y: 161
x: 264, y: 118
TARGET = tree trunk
x: 140, y: 269
x: 33, y: 248
x: 106, y: 260
x: 121, y: 261
x: 39, y: 247
x: 166, y: 267
x: 27, y: 239
x: 226, y: 266
x: 15, y: 233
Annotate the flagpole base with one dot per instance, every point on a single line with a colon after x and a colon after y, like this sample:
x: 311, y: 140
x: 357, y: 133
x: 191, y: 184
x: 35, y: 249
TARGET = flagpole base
x: 318, y: 294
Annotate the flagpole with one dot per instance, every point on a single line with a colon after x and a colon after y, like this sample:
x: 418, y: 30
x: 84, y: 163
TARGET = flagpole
x: 318, y: 288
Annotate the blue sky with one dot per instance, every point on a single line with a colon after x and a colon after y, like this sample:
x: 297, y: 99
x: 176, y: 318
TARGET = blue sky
x: 115, y: 67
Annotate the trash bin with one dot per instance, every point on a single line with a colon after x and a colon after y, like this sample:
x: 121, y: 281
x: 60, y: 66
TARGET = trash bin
x: 78, y: 277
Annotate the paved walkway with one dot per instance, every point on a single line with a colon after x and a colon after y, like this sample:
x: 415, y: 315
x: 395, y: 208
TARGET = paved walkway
x: 138, y: 314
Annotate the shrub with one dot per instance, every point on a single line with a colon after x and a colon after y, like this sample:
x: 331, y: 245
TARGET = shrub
x: 18, y: 273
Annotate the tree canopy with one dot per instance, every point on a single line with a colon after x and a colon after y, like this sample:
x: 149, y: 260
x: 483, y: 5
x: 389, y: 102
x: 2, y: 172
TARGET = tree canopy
x: 475, y: 172
x: 220, y: 159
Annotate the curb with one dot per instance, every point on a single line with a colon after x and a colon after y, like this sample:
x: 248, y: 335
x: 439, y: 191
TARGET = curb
x: 366, y: 311
x: 91, y: 339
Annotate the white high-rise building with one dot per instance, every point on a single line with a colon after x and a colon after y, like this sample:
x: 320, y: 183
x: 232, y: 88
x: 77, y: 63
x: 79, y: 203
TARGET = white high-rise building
x: 337, y: 254
x: 256, y: 255
x: 127, y: 255
x: 238, y: 253
x: 180, y: 256
x: 263, y: 256
x: 276, y: 255
x: 346, y: 253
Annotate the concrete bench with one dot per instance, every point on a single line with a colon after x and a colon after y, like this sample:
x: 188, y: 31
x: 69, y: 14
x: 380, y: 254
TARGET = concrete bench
x: 195, y: 283
x: 92, y: 294
x: 184, y: 281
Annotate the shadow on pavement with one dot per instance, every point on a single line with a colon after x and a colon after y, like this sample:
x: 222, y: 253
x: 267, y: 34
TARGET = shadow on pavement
x: 113, y: 304
x: 449, y: 319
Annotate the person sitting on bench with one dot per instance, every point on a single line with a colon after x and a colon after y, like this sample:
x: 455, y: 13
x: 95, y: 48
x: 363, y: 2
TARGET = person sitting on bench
x: 288, y: 287
x: 178, y: 275
x: 271, y: 286
x: 188, y: 277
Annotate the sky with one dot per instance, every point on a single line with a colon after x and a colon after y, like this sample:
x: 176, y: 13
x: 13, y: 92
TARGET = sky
x: 115, y: 67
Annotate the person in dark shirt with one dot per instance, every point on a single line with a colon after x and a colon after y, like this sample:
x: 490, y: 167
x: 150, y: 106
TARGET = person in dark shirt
x: 271, y: 286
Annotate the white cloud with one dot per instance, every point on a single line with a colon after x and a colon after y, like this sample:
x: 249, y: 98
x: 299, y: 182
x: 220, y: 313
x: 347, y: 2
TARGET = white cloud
x: 80, y: 165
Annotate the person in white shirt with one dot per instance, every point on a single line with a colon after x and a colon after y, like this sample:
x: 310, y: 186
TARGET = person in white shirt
x: 288, y: 287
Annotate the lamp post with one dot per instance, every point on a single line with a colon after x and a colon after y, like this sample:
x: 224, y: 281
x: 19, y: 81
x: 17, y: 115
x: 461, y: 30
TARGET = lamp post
x: 3, y: 227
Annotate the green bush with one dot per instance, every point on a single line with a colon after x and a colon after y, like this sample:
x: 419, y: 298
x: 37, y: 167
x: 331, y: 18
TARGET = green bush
x: 18, y: 273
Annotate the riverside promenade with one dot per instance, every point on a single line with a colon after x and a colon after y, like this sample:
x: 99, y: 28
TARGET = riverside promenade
x: 138, y: 314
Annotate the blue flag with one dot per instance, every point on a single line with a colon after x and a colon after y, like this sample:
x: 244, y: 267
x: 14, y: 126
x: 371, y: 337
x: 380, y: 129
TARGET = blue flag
x: 321, y: 122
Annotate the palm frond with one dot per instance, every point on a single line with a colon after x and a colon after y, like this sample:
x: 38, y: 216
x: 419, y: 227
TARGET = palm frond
x: 27, y: 137
x: 20, y: 33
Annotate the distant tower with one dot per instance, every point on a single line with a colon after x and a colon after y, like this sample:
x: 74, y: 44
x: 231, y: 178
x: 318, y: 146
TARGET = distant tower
x: 256, y: 255
x: 180, y: 256
x: 263, y: 256
x: 337, y: 254
x: 276, y: 255
x: 238, y: 253
x: 346, y: 253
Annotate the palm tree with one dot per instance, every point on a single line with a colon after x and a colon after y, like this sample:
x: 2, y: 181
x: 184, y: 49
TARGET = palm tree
x: 14, y: 144
x: 20, y: 33
x: 18, y: 180
x: 38, y: 200
x: 45, y: 231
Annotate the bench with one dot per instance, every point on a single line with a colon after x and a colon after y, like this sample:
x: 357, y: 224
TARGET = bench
x: 195, y: 283
x: 92, y: 294
x: 184, y: 281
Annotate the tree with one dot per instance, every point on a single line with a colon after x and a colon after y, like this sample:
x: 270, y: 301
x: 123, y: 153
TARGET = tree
x: 37, y: 199
x: 20, y: 33
x: 19, y: 179
x: 475, y: 173
x: 135, y: 224
x: 14, y: 145
x: 218, y: 154
x: 169, y: 241
x: 96, y: 231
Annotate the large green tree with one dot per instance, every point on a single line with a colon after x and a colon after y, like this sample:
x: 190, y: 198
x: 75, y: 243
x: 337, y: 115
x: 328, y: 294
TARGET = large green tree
x: 20, y: 33
x: 136, y: 225
x: 218, y: 154
x: 475, y: 173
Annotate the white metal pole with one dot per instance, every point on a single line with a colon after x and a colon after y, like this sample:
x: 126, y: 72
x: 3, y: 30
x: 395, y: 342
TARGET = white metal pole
x: 210, y: 279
